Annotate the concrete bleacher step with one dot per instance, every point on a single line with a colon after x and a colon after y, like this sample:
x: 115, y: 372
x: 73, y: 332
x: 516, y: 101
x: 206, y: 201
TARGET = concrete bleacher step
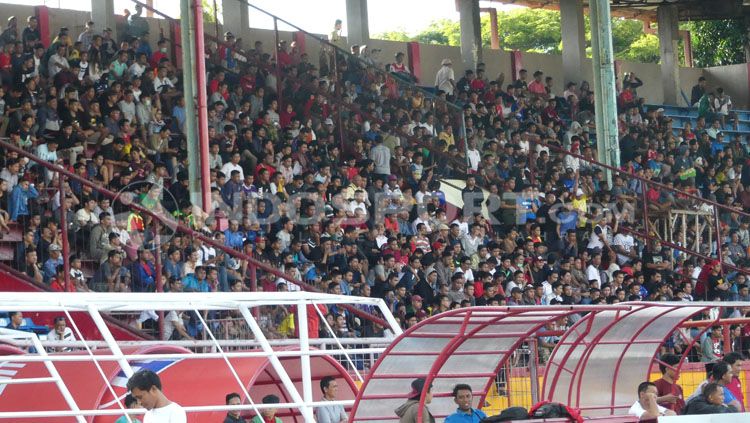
x: 7, y: 251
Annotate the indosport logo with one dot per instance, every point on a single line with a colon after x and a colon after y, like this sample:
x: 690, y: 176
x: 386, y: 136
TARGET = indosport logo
x: 130, y: 205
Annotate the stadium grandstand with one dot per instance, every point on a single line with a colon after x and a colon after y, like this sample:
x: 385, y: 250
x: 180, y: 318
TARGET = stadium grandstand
x: 405, y: 206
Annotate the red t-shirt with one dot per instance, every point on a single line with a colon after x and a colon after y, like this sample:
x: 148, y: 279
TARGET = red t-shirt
x: 735, y: 387
x: 665, y: 388
x: 59, y: 286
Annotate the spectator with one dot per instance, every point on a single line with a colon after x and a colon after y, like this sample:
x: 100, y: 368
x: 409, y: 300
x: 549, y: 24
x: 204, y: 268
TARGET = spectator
x: 698, y: 91
x: 462, y: 396
x: 646, y: 407
x: 131, y: 404
x: 669, y: 393
x: 330, y: 413
x: 710, y: 401
x: 268, y: 414
x: 445, y: 79
x: 234, y: 416
x: 408, y: 411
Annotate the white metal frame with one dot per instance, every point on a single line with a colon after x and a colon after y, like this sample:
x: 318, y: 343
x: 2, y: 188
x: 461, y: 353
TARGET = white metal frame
x: 94, y: 304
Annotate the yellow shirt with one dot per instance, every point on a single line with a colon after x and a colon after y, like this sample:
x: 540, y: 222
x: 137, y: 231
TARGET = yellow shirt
x: 581, y: 207
x: 447, y: 137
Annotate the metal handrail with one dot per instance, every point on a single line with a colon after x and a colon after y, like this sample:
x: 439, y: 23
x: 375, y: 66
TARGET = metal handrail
x: 182, y: 228
x: 110, y: 320
x: 716, y: 206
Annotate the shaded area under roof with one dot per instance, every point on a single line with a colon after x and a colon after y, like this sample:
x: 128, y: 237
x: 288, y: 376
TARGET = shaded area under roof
x: 646, y: 9
x: 609, y: 343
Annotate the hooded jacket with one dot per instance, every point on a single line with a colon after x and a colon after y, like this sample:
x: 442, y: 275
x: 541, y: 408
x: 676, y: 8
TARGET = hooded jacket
x: 699, y: 405
x: 407, y: 412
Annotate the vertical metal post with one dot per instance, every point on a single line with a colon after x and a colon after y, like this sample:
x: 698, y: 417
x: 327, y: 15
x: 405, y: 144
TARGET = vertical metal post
x: 200, y: 82
x: 337, y: 93
x: 465, y: 139
x: 286, y: 381
x: 717, y: 225
x: 58, y: 379
x: 278, y: 64
x: 533, y: 371
x: 644, y: 187
x: 110, y: 340
x: 64, y: 231
x: 304, y: 348
x: 186, y: 31
x: 725, y: 331
x: 253, y: 277
x: 216, y: 22
x: 157, y: 257
x: 605, y: 92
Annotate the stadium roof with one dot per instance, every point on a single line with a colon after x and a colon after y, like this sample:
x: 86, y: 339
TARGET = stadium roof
x: 646, y: 9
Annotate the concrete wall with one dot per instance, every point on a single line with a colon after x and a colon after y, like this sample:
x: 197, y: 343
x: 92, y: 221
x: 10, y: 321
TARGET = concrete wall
x: 733, y: 79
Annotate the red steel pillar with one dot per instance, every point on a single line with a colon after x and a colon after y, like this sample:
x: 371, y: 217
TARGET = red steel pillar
x: 64, y: 231
x: 516, y: 63
x: 200, y: 78
x: 42, y: 18
x: 415, y: 60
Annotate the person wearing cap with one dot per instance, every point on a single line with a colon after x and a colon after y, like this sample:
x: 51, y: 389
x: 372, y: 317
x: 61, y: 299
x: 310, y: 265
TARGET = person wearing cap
x: 10, y: 33
x: 49, y: 270
x: 409, y: 411
x: 445, y: 79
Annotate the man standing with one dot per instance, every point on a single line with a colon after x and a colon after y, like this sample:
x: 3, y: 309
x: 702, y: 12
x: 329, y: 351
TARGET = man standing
x: 712, y: 346
x: 330, y: 413
x: 462, y: 396
x: 145, y: 386
x: 669, y: 393
x: 445, y: 78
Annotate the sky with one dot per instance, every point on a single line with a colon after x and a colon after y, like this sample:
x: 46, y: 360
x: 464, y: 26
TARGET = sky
x: 315, y: 16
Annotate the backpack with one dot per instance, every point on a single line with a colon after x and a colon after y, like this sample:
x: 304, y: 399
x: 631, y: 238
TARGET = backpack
x: 512, y: 413
x: 548, y: 410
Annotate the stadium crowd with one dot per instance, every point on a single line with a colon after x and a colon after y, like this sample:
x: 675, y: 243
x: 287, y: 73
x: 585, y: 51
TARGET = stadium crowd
x: 337, y: 180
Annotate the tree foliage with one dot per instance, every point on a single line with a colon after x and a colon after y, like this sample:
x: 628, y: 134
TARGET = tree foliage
x: 645, y: 50
x: 537, y: 31
x: 718, y: 43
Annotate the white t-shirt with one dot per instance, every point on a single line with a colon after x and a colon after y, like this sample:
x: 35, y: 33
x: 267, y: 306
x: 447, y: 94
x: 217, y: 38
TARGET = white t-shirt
x: 627, y: 242
x: 592, y: 273
x: 637, y: 410
x: 172, y: 413
x: 229, y: 167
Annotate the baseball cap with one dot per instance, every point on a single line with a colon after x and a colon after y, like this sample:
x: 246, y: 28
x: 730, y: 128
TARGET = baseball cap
x: 55, y: 247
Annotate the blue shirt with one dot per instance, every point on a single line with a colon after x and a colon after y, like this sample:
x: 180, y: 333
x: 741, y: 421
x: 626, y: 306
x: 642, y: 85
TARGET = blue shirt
x: 459, y: 416
x: 728, y: 395
x: 233, y: 239
x: 192, y: 284
x: 19, y: 201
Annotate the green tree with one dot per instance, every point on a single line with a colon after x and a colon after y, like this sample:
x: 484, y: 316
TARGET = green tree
x: 538, y: 31
x: 533, y: 30
x: 717, y: 43
x: 645, y: 50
